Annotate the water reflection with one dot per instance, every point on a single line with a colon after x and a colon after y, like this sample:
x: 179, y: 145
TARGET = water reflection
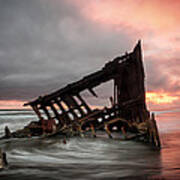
x: 169, y: 126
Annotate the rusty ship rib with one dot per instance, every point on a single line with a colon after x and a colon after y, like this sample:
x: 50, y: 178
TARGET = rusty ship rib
x: 73, y: 116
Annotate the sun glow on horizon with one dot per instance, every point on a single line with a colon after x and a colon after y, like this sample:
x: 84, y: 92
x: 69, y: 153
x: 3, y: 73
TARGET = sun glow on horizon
x: 12, y: 104
x: 160, y: 97
x: 157, y: 98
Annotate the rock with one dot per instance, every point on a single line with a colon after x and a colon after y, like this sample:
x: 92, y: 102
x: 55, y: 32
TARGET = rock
x: 7, y: 132
x: 3, y: 160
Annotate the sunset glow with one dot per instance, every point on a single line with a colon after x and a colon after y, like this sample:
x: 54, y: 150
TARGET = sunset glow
x: 89, y: 89
x: 160, y: 98
x: 12, y: 104
x: 144, y: 15
x: 157, y: 98
x: 74, y: 37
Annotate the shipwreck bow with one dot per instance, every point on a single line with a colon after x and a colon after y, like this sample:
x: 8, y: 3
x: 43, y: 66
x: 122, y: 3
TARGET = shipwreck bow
x: 68, y: 113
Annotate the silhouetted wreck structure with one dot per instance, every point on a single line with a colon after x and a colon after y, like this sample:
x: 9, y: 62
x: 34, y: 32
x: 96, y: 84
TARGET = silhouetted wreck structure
x: 128, y: 113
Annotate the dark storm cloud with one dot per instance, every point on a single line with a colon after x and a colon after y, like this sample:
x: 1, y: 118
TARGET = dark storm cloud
x: 45, y: 44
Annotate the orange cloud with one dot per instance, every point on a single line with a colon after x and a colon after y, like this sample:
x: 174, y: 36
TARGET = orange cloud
x: 11, y: 104
x: 148, y: 15
x: 154, y: 21
x: 161, y: 97
x: 156, y: 98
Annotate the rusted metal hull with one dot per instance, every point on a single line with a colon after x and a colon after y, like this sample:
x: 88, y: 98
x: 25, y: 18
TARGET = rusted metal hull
x: 73, y: 116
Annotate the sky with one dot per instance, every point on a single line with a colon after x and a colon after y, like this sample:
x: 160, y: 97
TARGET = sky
x: 45, y: 44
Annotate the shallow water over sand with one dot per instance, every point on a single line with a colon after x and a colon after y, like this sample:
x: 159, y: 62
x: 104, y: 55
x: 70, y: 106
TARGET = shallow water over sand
x: 90, y: 158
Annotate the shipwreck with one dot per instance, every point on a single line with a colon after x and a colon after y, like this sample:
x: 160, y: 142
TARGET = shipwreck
x: 68, y: 114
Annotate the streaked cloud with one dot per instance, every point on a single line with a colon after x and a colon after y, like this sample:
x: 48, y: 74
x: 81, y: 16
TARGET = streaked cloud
x: 46, y: 44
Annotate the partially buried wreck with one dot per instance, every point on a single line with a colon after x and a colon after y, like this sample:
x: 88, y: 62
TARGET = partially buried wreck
x: 73, y: 116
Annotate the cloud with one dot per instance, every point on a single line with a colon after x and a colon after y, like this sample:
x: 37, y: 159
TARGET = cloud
x: 46, y: 44
x: 139, y: 14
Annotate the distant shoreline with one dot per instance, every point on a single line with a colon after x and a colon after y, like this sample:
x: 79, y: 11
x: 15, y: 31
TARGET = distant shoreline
x: 16, y: 110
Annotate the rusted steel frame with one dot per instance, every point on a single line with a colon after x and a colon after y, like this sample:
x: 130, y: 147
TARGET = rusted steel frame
x: 64, y: 113
x: 94, y: 116
x: 98, y: 115
x: 73, y: 105
x: 57, y: 115
x: 80, y: 122
x: 88, y: 82
x: 93, y: 130
x: 107, y: 112
x: 92, y: 92
x: 44, y: 108
x: 132, y: 102
x: 120, y: 120
x: 106, y: 127
x: 103, y: 113
x: 42, y: 120
x: 76, y: 106
x: 66, y: 100
x: 153, y: 132
x: 83, y: 103
x: 36, y: 110
x: 89, y: 116
x: 115, y: 92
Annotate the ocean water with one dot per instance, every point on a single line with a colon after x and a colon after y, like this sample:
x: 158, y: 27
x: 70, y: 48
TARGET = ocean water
x: 90, y: 158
